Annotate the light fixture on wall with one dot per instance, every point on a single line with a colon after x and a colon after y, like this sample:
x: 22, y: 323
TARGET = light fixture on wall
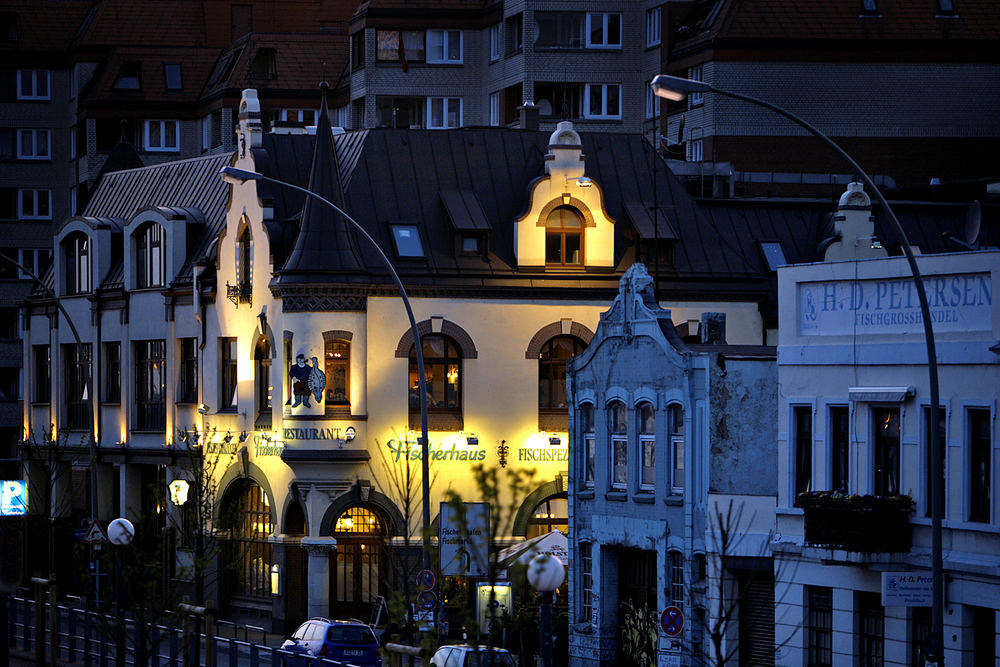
x: 262, y: 318
x: 275, y: 580
x: 581, y: 181
x: 204, y: 409
x: 243, y: 436
x: 179, y: 491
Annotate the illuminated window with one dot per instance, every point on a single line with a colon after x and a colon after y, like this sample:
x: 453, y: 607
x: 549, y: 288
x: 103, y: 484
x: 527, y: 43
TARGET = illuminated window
x: 358, y: 520
x: 338, y: 372
x: 564, y: 237
x: 443, y: 373
x: 150, y: 385
x: 647, y: 447
x: 246, y: 513
x: 150, y: 257
x: 550, y: 514
x: 552, y: 372
x: 617, y: 424
x: 360, y: 555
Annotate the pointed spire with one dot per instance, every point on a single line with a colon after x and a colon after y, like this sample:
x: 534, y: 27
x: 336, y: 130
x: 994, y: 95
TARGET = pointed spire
x: 325, y: 242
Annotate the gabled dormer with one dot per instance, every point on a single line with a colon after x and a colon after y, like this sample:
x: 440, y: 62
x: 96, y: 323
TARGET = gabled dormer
x: 85, y: 252
x: 156, y: 242
x: 566, y: 226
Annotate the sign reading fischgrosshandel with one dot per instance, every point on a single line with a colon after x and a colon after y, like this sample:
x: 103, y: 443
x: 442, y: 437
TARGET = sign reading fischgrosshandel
x: 962, y: 302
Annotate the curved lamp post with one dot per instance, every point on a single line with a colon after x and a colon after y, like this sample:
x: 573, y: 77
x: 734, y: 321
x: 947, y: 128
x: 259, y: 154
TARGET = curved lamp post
x: 676, y: 89
x: 120, y: 534
x: 545, y: 574
x: 237, y: 176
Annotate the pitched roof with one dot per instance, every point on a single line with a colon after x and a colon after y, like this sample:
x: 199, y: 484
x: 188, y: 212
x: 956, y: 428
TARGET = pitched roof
x: 44, y: 26
x: 195, y: 64
x: 125, y: 22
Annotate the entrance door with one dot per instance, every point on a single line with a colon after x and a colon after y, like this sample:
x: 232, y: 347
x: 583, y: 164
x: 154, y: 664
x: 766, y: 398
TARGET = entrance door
x: 359, y: 568
x: 637, y: 607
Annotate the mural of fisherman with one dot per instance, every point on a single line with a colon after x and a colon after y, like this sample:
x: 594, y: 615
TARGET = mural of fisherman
x: 306, y: 379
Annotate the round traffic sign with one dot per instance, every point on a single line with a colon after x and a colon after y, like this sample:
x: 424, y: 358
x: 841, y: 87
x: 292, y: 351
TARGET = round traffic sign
x: 931, y: 648
x: 672, y: 621
x: 428, y: 600
x: 426, y: 579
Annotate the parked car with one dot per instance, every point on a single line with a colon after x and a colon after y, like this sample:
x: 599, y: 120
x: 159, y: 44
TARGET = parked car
x: 472, y: 656
x: 347, y: 641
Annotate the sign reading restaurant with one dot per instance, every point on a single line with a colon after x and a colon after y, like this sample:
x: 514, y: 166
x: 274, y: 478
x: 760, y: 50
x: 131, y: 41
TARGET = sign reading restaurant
x: 962, y: 302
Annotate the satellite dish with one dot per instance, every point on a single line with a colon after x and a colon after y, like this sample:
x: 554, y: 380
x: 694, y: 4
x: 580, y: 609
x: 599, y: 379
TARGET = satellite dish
x: 973, y: 219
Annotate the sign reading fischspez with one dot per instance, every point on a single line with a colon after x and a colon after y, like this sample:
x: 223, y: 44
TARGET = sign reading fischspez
x: 962, y: 302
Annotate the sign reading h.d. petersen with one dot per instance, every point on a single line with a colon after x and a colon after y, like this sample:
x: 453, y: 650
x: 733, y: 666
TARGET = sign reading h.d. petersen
x: 961, y: 302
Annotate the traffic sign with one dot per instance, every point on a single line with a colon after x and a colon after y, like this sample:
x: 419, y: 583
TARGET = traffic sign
x: 672, y: 621
x: 932, y: 648
x: 95, y: 533
x: 426, y: 580
x: 428, y: 600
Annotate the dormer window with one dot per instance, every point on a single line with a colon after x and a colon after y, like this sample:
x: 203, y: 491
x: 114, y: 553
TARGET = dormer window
x: 129, y: 76
x: 76, y: 266
x: 172, y: 76
x: 149, y: 257
x: 264, y: 64
x: 564, y: 237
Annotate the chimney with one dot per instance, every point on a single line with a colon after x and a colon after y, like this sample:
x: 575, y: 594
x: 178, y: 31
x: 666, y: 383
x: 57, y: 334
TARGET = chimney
x: 713, y: 328
x: 529, y: 115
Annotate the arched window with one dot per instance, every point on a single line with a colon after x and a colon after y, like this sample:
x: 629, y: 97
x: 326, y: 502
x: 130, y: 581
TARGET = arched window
x: 587, y: 438
x: 76, y: 264
x: 618, y: 454
x: 247, y: 516
x: 647, y: 447
x: 676, y: 425
x: 564, y: 237
x: 550, y: 514
x: 552, y: 406
x: 244, y: 267
x: 443, y: 373
x: 262, y: 376
x: 149, y: 256
x: 338, y: 372
x: 360, y: 559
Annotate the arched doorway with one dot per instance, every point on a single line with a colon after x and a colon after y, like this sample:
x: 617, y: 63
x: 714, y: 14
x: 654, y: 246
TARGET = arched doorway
x: 360, y: 571
x: 246, y: 555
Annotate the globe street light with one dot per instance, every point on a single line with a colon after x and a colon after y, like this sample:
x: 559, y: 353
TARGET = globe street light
x: 545, y: 574
x: 236, y: 176
x: 120, y: 534
x: 676, y: 89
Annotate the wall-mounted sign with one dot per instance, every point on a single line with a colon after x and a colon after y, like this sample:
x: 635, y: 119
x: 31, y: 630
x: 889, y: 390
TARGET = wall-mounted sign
x: 492, y: 602
x: 464, y: 540
x: 265, y: 444
x: 961, y: 302
x: 13, y: 497
x: 907, y: 589
x: 402, y: 449
x: 290, y: 435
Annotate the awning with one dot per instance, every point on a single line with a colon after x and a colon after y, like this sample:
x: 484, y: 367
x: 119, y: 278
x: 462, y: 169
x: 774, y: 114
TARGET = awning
x: 554, y: 543
x: 880, y: 394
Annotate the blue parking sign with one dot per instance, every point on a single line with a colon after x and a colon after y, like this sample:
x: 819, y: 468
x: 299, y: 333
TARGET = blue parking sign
x: 13, y: 497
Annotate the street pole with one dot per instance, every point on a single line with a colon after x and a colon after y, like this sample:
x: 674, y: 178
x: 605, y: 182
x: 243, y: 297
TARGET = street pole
x: 675, y: 88
x: 238, y: 176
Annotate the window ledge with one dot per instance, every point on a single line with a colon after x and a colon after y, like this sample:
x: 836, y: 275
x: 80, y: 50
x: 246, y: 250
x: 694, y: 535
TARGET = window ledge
x: 617, y: 496
x: 586, y: 494
x: 644, y: 497
x: 118, y: 402
x: 674, y: 501
x: 790, y: 511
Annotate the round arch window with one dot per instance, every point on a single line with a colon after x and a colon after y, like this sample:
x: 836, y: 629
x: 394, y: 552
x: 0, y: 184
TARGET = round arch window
x: 564, y: 237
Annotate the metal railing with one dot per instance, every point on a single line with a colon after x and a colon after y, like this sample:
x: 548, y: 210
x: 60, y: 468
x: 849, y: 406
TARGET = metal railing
x: 84, y: 637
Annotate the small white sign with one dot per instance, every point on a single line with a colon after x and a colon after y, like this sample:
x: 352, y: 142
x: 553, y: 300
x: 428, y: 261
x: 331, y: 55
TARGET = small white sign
x: 464, y: 544
x: 907, y: 589
x: 13, y: 497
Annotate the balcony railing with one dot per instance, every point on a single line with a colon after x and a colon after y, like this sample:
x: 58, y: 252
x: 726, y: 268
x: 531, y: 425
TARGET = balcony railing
x: 856, y: 523
x: 239, y: 293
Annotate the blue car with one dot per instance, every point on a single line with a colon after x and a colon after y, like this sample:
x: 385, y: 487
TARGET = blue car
x: 346, y: 641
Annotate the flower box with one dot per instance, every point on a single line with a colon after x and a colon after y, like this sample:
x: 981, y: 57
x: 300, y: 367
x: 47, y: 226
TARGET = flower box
x: 856, y: 523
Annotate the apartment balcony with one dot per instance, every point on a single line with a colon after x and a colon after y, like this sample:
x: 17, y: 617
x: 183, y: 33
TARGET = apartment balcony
x: 869, y: 524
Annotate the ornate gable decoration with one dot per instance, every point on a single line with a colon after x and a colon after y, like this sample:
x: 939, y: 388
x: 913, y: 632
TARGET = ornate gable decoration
x: 565, y: 226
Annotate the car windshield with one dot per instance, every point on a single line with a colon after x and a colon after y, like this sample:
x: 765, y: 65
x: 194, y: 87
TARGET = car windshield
x: 350, y: 634
x: 484, y: 659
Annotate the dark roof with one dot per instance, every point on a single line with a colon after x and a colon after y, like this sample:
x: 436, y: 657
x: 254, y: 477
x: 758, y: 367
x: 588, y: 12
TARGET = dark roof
x: 325, y: 243
x: 195, y: 64
x: 464, y: 211
x: 44, y: 26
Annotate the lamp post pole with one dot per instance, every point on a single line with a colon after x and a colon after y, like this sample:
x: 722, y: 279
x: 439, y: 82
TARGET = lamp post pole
x: 676, y: 88
x: 237, y: 176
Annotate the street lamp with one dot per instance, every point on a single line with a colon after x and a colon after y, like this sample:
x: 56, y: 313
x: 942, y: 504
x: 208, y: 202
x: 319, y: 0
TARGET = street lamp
x: 236, y: 176
x: 120, y: 534
x: 676, y: 89
x: 545, y: 574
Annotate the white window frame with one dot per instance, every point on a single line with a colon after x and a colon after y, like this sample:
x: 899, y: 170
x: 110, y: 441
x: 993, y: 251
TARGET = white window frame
x: 154, y: 256
x: 695, y: 151
x: 588, y: 463
x: 29, y: 150
x: 446, y: 37
x: 604, y: 101
x: 33, y: 214
x: 604, y: 18
x: 696, y: 73
x: 653, y: 17
x: 162, y: 148
x: 34, y: 94
x: 445, y: 101
x: 676, y: 447
x: 298, y: 116
x: 646, y: 440
x: 616, y: 440
x: 495, y: 109
x: 496, y: 42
